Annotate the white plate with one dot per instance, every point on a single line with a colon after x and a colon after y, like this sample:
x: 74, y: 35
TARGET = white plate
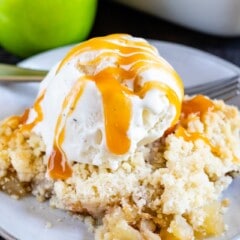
x: 26, y: 219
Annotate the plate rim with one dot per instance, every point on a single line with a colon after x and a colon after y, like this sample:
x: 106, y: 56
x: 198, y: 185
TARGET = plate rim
x: 219, y: 60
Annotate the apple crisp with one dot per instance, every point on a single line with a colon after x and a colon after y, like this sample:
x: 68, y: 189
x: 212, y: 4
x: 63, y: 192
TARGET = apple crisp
x: 170, y: 189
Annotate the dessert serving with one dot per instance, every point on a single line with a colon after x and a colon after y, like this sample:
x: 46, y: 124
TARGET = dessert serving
x: 112, y: 136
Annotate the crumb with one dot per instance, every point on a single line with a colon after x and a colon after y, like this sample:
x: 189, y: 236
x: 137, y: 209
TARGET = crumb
x: 48, y: 225
x: 16, y: 197
x: 90, y: 223
x: 225, y: 202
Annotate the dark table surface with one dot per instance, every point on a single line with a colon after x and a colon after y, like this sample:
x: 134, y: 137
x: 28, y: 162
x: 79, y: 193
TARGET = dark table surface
x: 115, y: 18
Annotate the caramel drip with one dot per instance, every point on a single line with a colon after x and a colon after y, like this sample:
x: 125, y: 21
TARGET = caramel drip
x: 14, y: 122
x: 190, y: 136
x: 20, y: 119
x: 193, y: 136
x: 24, y: 117
x: 173, y: 98
x: 58, y: 167
x: 100, y: 43
x: 37, y: 108
x: 132, y: 52
x: 198, y: 105
x: 117, y: 112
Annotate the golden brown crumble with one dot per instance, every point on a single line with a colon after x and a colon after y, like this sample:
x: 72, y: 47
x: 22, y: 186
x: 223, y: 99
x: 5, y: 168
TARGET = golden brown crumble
x: 168, y: 190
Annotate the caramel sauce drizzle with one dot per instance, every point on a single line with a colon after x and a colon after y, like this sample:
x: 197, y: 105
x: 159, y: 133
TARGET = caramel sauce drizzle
x: 14, y: 122
x: 38, y: 110
x: 24, y: 116
x: 116, y: 111
x: 141, y: 53
x: 193, y: 136
x: 172, y: 96
x: 132, y: 58
x: 198, y: 105
x: 58, y: 167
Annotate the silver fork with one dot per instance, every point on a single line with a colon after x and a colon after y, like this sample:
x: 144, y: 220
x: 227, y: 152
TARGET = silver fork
x: 13, y: 73
x: 225, y: 89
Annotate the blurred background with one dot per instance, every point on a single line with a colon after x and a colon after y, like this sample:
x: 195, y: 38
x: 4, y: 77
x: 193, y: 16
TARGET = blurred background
x: 115, y: 17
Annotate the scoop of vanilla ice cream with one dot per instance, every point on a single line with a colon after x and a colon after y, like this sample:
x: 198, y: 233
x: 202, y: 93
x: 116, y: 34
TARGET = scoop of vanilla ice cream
x: 108, y: 96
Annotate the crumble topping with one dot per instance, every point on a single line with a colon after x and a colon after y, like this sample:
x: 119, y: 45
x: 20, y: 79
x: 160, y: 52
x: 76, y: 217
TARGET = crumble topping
x: 169, y: 189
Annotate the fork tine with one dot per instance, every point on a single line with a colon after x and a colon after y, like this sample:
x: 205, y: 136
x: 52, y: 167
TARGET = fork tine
x: 217, y: 89
x: 228, y: 96
x: 221, y: 88
x: 224, y: 93
x: 213, y: 84
x: 210, y: 88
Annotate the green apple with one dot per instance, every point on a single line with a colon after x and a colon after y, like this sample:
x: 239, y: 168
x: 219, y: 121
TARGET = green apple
x: 31, y: 26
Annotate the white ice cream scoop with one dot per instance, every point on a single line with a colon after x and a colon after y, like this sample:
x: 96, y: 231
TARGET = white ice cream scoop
x: 107, y: 97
